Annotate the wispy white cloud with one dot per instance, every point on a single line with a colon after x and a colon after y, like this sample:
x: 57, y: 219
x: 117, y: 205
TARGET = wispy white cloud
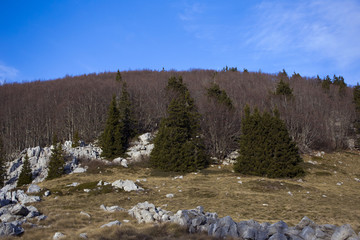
x: 191, y: 11
x: 7, y: 73
x: 328, y: 28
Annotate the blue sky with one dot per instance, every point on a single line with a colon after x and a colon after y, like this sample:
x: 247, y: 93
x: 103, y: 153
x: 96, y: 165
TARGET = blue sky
x: 49, y: 39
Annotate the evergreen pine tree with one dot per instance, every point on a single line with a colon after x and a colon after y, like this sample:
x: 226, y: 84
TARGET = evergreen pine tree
x: 111, y: 132
x: 127, y: 124
x: 178, y: 146
x: 283, y: 88
x: 76, y: 139
x: 25, y: 176
x: 356, y: 93
x: 326, y: 83
x: 220, y: 95
x: 266, y: 148
x: 118, y: 76
x: 2, y: 163
x: 56, y: 164
x: 120, y: 126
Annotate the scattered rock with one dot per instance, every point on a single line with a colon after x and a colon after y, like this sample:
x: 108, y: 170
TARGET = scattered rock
x: 170, y: 195
x: 85, y: 214
x: 83, y: 235
x: 47, y: 193
x: 59, y: 235
x: 87, y: 190
x: 110, y: 224
x: 112, y: 208
x: 178, y: 177
x: 74, y: 184
x: 79, y: 170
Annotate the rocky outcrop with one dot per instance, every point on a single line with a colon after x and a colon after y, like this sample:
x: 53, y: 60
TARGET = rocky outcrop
x: 140, y: 148
x: 39, y: 159
x: 197, y: 220
x: 14, y: 212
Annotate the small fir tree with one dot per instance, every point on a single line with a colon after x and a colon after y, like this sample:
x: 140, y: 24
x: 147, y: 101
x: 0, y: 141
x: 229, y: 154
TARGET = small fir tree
x: 56, y: 164
x: 25, y: 176
x: 76, y: 140
x: 178, y: 146
x: 266, y: 148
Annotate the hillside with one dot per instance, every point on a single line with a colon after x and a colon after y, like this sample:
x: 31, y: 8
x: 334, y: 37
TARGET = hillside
x: 317, y: 117
x: 327, y: 195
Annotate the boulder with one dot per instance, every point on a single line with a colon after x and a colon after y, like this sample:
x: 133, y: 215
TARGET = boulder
x: 127, y: 185
x: 19, y: 209
x: 343, y: 232
x: 33, y: 188
x: 8, y: 229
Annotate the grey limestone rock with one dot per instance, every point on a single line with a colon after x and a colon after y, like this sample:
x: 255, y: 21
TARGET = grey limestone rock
x: 110, y: 224
x: 7, y: 229
x: 343, y: 232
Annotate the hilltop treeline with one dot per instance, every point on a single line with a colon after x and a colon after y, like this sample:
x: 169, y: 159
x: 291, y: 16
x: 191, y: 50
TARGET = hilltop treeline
x: 318, y: 114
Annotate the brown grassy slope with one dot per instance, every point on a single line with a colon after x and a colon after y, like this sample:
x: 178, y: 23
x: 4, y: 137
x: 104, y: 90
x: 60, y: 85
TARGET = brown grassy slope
x: 217, y: 189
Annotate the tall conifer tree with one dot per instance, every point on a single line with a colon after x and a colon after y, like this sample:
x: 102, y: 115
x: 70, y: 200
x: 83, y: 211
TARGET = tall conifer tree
x: 120, y: 125
x: 178, y: 146
x: 109, y: 138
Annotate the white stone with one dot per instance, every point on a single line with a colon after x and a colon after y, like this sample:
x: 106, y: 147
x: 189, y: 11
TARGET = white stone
x: 87, y: 190
x: 74, y: 184
x: 47, y: 193
x: 83, y: 235
x: 79, y: 170
x: 170, y: 195
x: 85, y: 214
x: 58, y: 235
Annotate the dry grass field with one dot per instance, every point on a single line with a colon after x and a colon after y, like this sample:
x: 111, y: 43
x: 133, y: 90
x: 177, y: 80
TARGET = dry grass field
x: 329, y: 193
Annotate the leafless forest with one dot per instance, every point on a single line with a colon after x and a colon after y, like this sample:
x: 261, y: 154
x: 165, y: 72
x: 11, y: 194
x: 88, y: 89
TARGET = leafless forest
x: 30, y: 113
